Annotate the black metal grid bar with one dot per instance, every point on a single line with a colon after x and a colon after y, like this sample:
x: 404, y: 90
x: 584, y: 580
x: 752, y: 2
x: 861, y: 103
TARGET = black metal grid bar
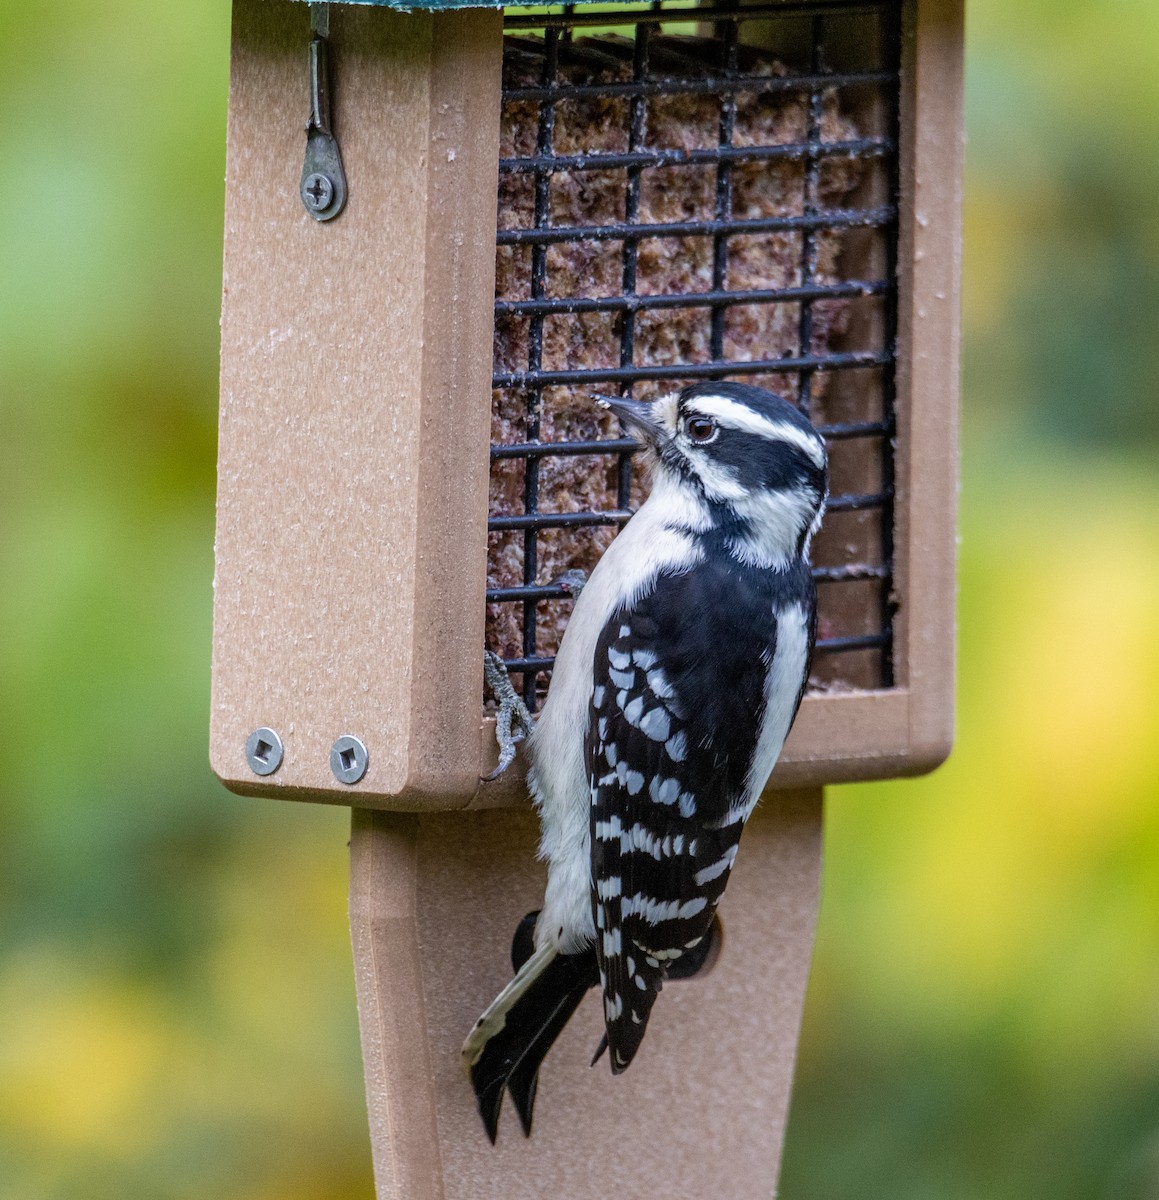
x: 881, y: 215
x: 637, y: 122
x: 630, y: 14
x: 853, y: 573
x: 808, y: 234
x: 713, y: 299
x: 543, y: 146
x: 889, y: 375
x: 605, y: 160
x: 726, y: 32
x: 705, y: 370
x: 660, y: 67
x: 762, y: 84
x: 831, y: 433
x: 617, y: 516
x: 540, y: 664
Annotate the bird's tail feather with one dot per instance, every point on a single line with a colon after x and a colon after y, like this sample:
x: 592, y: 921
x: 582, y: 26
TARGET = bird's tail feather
x: 512, y: 1037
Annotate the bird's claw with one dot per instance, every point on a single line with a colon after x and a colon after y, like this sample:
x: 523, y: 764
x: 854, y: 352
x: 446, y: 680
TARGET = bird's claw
x: 571, y: 581
x: 512, y: 720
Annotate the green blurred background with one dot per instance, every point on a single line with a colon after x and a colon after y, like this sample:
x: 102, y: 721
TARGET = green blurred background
x: 176, y: 1007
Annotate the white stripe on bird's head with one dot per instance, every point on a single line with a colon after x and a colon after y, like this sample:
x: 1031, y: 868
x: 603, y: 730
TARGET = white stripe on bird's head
x: 733, y: 414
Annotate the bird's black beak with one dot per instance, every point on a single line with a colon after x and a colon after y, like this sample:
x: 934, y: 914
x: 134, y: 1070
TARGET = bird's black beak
x: 636, y: 415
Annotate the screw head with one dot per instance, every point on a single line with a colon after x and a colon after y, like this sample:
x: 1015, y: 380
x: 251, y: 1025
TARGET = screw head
x: 263, y: 751
x: 348, y: 759
x: 317, y: 191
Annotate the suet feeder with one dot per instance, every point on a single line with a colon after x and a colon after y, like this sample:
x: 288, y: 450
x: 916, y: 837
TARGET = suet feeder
x: 491, y: 215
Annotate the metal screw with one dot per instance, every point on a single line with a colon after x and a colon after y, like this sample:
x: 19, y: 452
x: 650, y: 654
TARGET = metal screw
x: 318, y: 191
x: 348, y: 759
x: 263, y: 751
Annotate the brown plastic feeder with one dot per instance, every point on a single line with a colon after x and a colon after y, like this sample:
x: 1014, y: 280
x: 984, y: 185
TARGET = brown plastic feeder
x: 538, y: 207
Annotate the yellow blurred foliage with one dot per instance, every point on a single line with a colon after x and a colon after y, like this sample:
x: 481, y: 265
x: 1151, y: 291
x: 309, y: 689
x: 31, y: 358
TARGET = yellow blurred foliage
x: 79, y: 1058
x: 987, y: 886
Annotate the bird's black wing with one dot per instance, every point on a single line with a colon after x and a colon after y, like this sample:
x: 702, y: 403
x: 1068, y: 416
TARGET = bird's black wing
x: 675, y: 716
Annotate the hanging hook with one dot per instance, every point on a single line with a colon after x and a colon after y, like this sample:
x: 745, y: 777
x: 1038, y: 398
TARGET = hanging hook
x: 323, y: 184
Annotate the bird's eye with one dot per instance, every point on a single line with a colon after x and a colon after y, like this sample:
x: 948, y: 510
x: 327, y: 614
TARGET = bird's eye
x: 700, y: 429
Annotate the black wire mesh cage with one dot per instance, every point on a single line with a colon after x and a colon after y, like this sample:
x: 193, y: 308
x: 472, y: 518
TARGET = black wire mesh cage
x: 689, y: 194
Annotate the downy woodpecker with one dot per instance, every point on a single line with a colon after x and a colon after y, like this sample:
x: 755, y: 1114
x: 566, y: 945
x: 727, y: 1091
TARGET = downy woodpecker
x: 676, y: 683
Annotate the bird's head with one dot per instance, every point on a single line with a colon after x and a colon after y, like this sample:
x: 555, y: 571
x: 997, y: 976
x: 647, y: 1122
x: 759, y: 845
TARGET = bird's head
x: 743, y: 459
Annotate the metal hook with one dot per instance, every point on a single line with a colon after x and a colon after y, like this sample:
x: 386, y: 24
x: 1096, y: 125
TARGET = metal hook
x: 323, y: 183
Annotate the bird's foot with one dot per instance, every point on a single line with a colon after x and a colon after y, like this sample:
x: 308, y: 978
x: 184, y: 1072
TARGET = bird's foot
x: 512, y: 720
x: 571, y: 581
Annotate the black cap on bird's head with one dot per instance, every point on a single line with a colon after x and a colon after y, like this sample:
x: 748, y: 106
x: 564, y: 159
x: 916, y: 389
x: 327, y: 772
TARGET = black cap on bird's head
x: 742, y: 448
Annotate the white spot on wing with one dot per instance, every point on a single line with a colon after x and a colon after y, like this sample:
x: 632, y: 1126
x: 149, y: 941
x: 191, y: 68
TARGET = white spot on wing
x: 667, y: 954
x: 659, y: 684
x: 716, y: 869
x: 638, y: 837
x: 656, y: 911
x: 663, y: 791
x: 656, y: 725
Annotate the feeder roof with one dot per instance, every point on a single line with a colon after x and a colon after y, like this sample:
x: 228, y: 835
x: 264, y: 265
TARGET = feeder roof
x: 425, y: 5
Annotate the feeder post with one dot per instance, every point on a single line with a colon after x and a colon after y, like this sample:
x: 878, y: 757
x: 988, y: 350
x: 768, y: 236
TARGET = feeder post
x: 703, y: 1109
